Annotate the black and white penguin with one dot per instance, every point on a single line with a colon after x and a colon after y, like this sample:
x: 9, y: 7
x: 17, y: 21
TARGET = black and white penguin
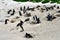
x: 27, y: 35
x: 20, y: 24
x: 13, y: 12
x: 26, y: 19
x: 9, y: 11
x: 49, y: 17
x: 20, y: 13
x: 6, y: 21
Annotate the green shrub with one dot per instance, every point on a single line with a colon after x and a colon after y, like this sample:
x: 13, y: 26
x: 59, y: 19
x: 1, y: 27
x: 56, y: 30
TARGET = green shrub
x: 38, y: 0
x: 45, y: 1
x: 21, y: 0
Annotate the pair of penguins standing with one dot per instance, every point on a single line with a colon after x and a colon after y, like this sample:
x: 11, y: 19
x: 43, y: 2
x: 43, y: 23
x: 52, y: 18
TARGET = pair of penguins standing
x: 36, y: 19
x: 13, y: 11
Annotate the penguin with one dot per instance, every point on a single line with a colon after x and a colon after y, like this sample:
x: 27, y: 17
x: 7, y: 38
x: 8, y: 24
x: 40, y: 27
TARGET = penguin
x: 6, y: 21
x: 20, y: 24
x: 9, y: 11
x: 57, y: 7
x: 26, y: 20
x: 13, y: 12
x: 49, y: 17
x: 38, y: 20
x: 20, y: 8
x: 20, y: 13
x: 27, y: 35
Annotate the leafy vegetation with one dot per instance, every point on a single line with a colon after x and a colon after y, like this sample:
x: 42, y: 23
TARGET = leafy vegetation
x: 43, y: 1
x: 21, y: 0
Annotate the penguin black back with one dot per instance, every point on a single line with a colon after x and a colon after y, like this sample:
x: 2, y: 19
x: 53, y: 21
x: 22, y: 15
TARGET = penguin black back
x: 13, y: 12
x: 9, y: 11
x: 6, y: 21
x: 21, y: 8
x: 20, y: 13
x: 19, y: 24
x: 49, y: 17
x: 26, y: 19
x: 27, y: 35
